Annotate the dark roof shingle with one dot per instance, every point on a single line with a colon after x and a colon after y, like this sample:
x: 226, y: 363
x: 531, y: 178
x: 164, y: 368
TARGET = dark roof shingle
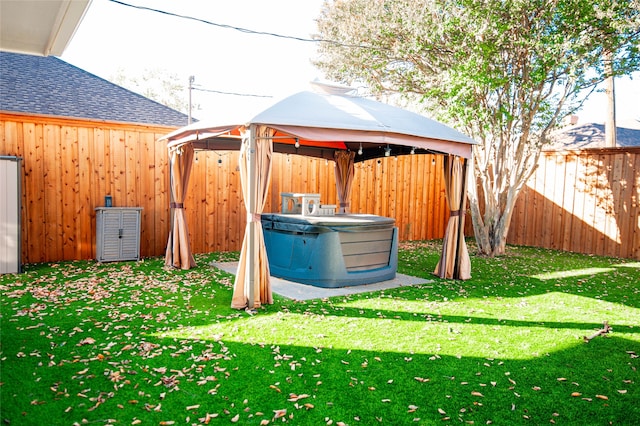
x: 51, y: 86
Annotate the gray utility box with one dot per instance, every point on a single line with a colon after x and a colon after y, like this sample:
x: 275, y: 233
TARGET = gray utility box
x: 10, y: 211
x: 117, y: 233
x: 331, y: 251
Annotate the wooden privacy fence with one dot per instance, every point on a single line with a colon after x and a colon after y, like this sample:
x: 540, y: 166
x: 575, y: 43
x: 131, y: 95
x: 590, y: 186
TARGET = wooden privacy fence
x: 582, y: 201
x: 70, y: 165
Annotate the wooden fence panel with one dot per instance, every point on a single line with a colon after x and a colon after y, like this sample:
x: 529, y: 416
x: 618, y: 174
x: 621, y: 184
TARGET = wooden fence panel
x: 590, y: 203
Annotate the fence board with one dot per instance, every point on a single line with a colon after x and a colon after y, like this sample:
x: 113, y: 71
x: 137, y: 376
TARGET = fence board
x: 635, y: 210
x: 625, y: 188
x: 33, y: 198
x: 85, y: 195
x: 147, y: 190
x: 576, y: 234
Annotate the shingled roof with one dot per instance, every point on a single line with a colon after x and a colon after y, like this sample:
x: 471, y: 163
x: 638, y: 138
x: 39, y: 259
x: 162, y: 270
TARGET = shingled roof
x: 51, y: 86
x: 592, y: 135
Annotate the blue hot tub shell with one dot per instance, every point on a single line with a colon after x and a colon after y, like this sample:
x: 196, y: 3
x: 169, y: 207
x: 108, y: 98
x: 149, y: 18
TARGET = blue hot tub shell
x: 331, y: 251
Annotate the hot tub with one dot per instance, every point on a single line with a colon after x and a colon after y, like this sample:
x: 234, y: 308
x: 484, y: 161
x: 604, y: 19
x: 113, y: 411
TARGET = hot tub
x: 331, y: 251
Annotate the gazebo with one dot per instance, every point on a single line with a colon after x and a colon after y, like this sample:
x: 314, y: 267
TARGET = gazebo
x: 334, y: 126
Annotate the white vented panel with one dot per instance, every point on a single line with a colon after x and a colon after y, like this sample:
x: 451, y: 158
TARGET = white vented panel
x: 117, y: 233
x: 10, y: 197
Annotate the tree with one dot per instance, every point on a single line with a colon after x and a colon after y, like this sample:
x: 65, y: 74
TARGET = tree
x: 168, y: 89
x: 505, y: 72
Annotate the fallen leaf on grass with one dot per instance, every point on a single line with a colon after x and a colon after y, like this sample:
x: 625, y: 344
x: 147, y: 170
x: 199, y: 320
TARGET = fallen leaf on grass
x: 474, y: 393
x: 274, y: 387
x: 235, y: 418
x: 293, y: 397
x: 602, y: 397
x: 193, y: 407
x: 622, y: 391
x: 86, y: 341
x: 279, y: 413
x: 206, y: 419
x: 576, y: 394
x: 441, y: 411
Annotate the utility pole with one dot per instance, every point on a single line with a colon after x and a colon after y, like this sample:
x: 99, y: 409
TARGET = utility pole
x: 191, y: 80
x: 610, y: 136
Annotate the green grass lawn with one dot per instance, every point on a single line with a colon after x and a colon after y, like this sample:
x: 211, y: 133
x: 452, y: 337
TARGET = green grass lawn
x: 134, y: 343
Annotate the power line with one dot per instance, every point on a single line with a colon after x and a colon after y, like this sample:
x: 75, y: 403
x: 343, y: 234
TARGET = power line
x: 246, y: 30
x: 230, y: 93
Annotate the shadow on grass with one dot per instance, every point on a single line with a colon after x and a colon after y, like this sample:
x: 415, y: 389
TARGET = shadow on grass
x: 458, y: 319
x: 351, y: 386
x: 527, y: 271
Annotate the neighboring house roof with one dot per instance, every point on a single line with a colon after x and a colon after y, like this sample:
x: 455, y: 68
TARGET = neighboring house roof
x: 591, y: 135
x: 51, y: 86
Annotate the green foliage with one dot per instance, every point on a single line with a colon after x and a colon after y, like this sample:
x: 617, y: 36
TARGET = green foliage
x: 505, y: 72
x: 136, y: 343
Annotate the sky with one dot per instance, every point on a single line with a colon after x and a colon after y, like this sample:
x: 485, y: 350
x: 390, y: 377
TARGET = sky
x: 114, y: 38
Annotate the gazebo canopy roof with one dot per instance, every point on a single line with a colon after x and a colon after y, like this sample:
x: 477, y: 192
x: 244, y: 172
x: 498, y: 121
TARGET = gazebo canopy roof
x: 321, y: 123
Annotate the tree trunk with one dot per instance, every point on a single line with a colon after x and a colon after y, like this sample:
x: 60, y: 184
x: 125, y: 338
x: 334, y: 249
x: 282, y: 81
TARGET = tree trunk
x: 491, y: 228
x: 492, y: 217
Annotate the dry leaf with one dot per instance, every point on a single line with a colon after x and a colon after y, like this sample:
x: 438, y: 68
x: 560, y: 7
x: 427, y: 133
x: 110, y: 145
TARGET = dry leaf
x: 576, y: 394
x: 193, y: 407
x: 279, y: 413
x: 536, y: 388
x: 602, y: 397
x: 235, y: 418
x: 293, y: 397
x: 622, y: 391
x: 274, y: 387
x: 441, y: 411
x: 86, y: 341
x: 474, y: 393
x: 264, y: 422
